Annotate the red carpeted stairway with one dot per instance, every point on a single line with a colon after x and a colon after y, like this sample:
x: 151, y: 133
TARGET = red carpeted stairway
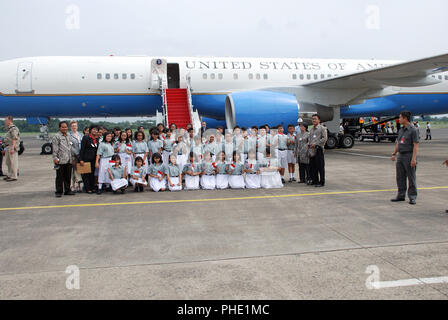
x: 177, y: 107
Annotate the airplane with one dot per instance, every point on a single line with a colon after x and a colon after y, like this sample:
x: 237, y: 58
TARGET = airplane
x: 222, y: 90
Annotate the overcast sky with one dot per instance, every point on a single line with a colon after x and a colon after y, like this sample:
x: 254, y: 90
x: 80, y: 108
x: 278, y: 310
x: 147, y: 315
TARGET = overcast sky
x: 398, y: 29
x: 364, y: 29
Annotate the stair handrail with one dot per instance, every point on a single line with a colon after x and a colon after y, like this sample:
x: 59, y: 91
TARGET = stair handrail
x: 163, y: 87
x: 194, y: 116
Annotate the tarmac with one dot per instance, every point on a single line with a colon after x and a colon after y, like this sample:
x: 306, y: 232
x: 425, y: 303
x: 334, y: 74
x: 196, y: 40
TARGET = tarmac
x: 298, y: 242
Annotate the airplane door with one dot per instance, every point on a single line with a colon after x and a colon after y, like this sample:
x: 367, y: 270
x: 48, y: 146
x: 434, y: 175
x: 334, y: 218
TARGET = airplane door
x: 158, y: 74
x: 24, y: 77
x: 173, y: 75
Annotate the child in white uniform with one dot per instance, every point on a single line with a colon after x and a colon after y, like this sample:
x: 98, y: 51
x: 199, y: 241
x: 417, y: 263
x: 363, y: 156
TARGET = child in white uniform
x: 168, y: 145
x: 208, y: 180
x: 157, y: 173
x: 103, y: 156
x: 155, y: 145
x: 173, y: 174
x: 262, y: 144
x: 138, y: 175
x: 235, y: 171
x: 222, y: 178
x: 252, y: 170
x: 270, y: 172
x: 124, y: 149
x: 192, y: 170
x: 282, y: 147
x: 291, y: 158
x: 140, y: 148
x: 118, y: 175
x: 181, y: 151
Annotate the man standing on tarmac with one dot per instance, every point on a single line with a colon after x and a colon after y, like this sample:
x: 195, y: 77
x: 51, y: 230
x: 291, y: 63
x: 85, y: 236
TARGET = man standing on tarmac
x: 11, y: 149
x: 317, y: 138
x: 406, y: 166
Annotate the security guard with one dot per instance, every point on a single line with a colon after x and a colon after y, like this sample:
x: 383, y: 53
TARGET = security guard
x: 11, y: 152
x: 407, y: 147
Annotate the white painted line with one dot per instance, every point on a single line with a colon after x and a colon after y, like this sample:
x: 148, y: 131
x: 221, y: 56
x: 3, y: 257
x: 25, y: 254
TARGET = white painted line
x: 362, y: 155
x: 408, y: 282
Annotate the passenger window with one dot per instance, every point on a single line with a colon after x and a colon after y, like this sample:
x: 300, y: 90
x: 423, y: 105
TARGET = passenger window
x: 440, y: 78
x: 116, y: 76
x: 107, y: 76
x: 204, y: 76
x: 265, y: 76
x: 322, y: 76
x: 132, y: 76
x: 302, y: 77
x: 235, y: 76
x: 446, y: 77
x: 308, y: 76
x: 294, y: 76
x: 99, y: 76
x: 124, y: 76
x: 251, y: 76
x: 329, y: 76
x: 258, y: 76
x: 315, y: 77
x: 220, y: 76
x: 212, y: 76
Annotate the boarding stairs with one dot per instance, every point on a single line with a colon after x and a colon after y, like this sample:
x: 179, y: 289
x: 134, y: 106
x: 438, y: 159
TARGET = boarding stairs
x: 178, y: 107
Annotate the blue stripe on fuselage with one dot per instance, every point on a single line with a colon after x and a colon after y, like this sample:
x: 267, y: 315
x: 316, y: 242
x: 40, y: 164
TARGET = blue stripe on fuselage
x: 208, y: 105
x: 80, y: 105
x: 417, y: 104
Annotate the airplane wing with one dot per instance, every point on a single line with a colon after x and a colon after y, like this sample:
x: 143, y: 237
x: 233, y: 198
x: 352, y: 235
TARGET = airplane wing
x: 408, y: 74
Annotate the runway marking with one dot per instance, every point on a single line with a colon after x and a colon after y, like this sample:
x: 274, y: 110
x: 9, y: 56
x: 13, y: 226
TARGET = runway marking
x: 408, y: 282
x: 362, y: 155
x: 210, y: 200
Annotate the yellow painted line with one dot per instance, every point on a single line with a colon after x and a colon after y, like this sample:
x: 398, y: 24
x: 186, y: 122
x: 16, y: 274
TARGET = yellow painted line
x: 211, y: 199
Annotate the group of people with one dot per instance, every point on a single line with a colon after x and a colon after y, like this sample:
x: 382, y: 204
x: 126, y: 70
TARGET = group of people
x: 175, y: 159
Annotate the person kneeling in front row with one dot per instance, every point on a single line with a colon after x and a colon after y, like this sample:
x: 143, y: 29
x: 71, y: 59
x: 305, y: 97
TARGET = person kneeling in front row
x: 208, y: 174
x: 138, y: 175
x: 235, y: 171
x: 192, y: 171
x: 270, y: 172
x: 118, y: 175
x: 157, y: 173
x: 173, y: 174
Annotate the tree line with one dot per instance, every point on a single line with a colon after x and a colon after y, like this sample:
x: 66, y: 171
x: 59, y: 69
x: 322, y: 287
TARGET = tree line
x: 53, y: 125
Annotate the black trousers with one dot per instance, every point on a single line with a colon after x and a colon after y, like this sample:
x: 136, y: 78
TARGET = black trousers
x: 88, y: 179
x: 304, y: 172
x: 317, y: 167
x: 428, y: 135
x: 1, y: 162
x: 63, y: 178
x: 406, y: 173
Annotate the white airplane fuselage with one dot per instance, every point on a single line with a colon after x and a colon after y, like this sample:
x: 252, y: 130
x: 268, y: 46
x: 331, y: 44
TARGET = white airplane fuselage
x: 125, y: 86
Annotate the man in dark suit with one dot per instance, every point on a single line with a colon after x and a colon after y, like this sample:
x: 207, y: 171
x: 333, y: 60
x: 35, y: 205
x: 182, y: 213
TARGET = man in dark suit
x: 203, y: 127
